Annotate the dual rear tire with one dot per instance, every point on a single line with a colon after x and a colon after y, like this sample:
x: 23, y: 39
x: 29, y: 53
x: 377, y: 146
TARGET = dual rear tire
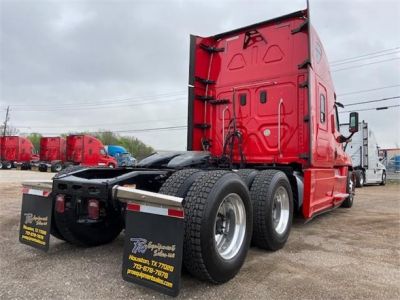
x: 222, y: 217
x: 272, y: 199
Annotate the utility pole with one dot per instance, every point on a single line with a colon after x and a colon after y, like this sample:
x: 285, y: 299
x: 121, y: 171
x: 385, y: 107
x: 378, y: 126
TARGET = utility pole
x: 6, y: 120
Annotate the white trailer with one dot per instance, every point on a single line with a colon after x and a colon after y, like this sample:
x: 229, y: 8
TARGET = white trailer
x: 363, y: 149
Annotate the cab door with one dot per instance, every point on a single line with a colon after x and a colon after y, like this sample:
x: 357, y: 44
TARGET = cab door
x: 324, y: 151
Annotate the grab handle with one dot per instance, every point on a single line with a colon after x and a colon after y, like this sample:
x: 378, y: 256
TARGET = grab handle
x: 279, y: 126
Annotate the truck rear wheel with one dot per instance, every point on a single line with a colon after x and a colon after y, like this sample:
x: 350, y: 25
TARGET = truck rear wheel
x: 272, y: 199
x: 42, y: 168
x: 179, y: 183
x: 360, y: 178
x: 7, y: 165
x: 247, y: 176
x: 57, y: 167
x: 383, y: 182
x: 218, y: 226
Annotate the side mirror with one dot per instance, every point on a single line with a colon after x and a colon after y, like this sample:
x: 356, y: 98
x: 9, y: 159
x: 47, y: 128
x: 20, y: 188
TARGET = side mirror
x: 353, y: 123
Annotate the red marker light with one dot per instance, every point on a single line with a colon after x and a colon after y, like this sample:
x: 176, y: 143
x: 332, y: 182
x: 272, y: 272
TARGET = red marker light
x: 60, y: 203
x: 93, y: 209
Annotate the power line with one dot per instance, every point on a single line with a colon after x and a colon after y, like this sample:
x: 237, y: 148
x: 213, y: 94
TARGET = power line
x: 369, y: 90
x: 95, y: 107
x: 364, y: 55
x: 373, y: 108
x: 371, y: 101
x: 102, y: 124
x: 109, y: 101
x: 364, y: 58
x: 128, y: 130
x: 366, y: 64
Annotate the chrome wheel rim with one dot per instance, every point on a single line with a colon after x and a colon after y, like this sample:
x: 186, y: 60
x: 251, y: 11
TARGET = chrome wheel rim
x: 230, y: 226
x: 351, y: 185
x: 351, y: 189
x: 280, y: 210
x: 361, y: 180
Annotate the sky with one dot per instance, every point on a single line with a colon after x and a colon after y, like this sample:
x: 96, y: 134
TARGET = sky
x: 70, y: 66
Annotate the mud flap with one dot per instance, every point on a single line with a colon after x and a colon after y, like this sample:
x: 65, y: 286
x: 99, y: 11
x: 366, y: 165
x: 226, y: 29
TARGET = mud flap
x: 153, y: 246
x: 35, y: 222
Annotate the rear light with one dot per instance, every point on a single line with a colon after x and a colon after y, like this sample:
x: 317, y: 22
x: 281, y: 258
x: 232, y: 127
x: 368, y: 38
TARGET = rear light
x: 93, y: 209
x: 60, y: 203
x: 176, y: 213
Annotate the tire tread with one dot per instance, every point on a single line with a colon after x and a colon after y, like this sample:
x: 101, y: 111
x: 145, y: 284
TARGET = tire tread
x: 194, y: 207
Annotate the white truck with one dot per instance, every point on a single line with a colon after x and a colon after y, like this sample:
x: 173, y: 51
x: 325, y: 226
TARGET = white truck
x: 363, y: 149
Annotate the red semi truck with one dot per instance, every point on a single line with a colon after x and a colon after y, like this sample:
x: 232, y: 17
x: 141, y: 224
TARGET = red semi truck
x: 263, y: 145
x: 52, y: 154
x: 57, y: 153
x: 87, y: 150
x: 16, y: 151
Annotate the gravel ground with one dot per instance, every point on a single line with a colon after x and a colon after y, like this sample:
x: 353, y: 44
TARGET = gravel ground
x: 347, y: 253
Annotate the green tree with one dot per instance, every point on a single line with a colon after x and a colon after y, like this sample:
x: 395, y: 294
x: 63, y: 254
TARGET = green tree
x: 134, y: 146
x: 34, y: 137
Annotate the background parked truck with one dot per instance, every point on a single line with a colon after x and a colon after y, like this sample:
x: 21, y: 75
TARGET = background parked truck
x: 123, y: 157
x: 52, y: 154
x: 87, y: 150
x: 16, y: 151
x: 364, y: 152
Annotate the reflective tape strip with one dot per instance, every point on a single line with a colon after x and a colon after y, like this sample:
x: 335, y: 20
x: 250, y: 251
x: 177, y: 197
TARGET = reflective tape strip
x: 170, y: 212
x: 35, y: 192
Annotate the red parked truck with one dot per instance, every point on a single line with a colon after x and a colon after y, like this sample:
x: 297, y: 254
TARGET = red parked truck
x: 52, y: 154
x: 87, y: 150
x: 263, y: 145
x: 16, y: 150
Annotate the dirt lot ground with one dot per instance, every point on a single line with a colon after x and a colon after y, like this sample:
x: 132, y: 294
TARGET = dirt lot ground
x: 347, y: 253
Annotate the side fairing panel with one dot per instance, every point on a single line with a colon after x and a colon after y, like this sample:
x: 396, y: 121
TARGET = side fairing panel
x: 323, y: 189
x: 326, y: 152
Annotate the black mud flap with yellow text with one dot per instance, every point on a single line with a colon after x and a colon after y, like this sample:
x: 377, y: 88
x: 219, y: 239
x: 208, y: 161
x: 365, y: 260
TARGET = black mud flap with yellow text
x: 153, y: 247
x: 35, y: 222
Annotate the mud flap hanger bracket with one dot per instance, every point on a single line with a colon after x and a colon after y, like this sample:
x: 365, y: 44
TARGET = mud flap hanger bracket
x: 128, y: 194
